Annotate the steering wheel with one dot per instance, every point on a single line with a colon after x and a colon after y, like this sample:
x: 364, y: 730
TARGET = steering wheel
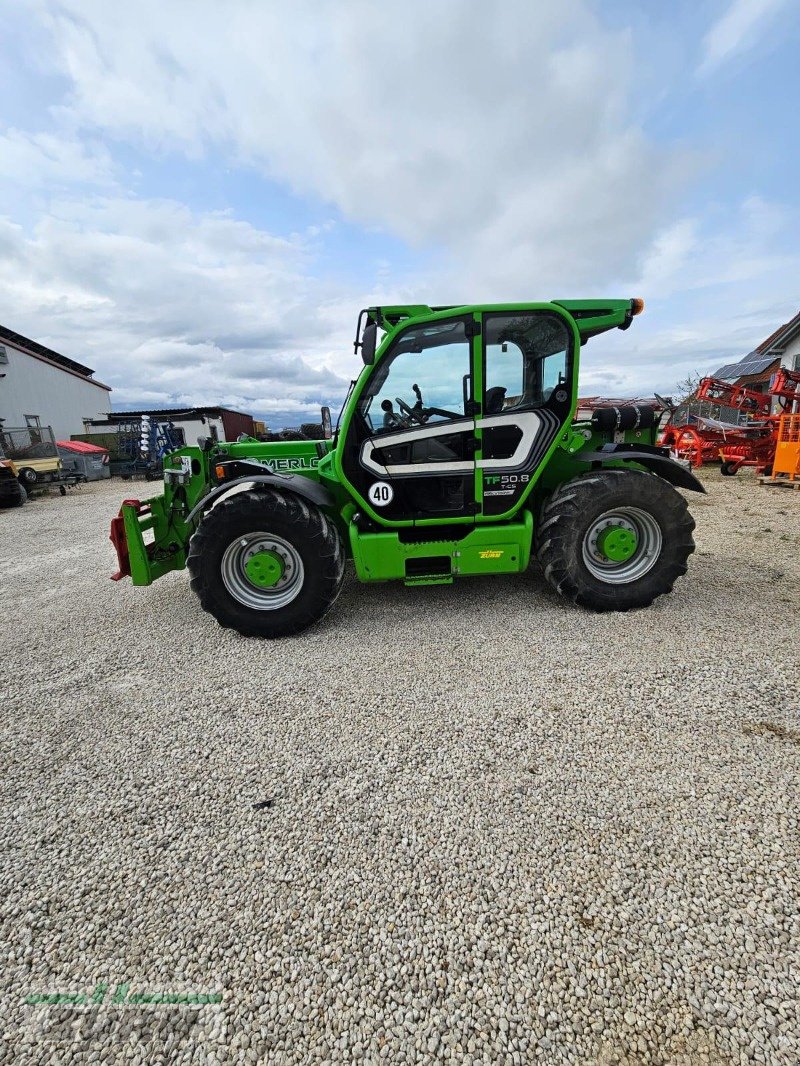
x: 392, y: 420
x: 412, y: 414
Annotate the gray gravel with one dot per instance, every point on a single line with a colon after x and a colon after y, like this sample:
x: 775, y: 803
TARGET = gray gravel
x: 468, y: 823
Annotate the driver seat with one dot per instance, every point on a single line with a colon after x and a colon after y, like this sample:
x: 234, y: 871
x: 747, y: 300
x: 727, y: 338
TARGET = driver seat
x: 495, y: 398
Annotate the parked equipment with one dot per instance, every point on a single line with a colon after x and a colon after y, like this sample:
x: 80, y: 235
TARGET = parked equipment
x: 786, y: 464
x: 33, y: 457
x: 86, y: 460
x: 12, y: 492
x: 751, y: 442
x: 143, y: 443
x: 456, y: 455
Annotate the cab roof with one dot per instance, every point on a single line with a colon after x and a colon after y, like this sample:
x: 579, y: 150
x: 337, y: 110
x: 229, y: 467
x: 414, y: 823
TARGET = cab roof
x: 590, y: 316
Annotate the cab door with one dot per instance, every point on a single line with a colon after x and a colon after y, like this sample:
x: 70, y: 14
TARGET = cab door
x: 528, y: 360
x: 410, y: 448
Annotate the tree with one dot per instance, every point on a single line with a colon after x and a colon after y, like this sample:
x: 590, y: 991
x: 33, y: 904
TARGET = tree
x: 687, y: 387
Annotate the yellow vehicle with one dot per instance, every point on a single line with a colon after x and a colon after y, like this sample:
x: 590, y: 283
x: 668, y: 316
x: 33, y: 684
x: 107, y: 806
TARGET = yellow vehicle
x: 32, y: 455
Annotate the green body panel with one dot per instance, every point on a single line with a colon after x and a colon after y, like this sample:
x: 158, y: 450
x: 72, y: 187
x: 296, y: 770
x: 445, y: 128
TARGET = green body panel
x: 158, y: 533
x: 285, y: 457
x: 499, y: 549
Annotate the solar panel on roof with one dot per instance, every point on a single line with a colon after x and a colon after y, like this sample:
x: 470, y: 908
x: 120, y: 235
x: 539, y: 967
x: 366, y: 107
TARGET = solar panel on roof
x: 751, y: 364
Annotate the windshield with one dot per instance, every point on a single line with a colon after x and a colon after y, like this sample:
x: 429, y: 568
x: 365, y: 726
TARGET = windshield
x: 426, y: 373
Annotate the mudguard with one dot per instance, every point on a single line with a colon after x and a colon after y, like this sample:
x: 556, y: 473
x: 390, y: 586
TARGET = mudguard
x: 294, y: 483
x: 647, y: 455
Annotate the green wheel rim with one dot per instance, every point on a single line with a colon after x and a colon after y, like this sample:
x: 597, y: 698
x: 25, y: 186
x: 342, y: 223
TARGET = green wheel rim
x: 617, y: 543
x: 264, y: 568
x: 622, y: 545
x: 262, y: 571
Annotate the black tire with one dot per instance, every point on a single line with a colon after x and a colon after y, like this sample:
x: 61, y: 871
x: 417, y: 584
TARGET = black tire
x: 568, y: 518
x: 306, y: 533
x: 728, y: 469
x: 15, y: 501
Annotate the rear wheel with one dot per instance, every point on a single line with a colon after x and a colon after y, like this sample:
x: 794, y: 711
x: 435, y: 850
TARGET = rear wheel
x: 266, y: 563
x: 614, y: 539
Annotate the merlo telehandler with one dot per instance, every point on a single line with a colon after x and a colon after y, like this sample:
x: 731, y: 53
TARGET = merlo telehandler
x: 456, y: 454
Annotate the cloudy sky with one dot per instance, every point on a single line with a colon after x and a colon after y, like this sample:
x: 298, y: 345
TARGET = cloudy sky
x: 196, y: 198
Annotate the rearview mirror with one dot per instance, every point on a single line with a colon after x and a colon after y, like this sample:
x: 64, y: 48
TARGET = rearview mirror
x: 368, y: 343
x: 327, y: 429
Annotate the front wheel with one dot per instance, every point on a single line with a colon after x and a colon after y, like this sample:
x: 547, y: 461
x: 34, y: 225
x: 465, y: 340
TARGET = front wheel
x: 615, y: 539
x: 266, y: 563
x: 728, y: 468
x: 18, y: 500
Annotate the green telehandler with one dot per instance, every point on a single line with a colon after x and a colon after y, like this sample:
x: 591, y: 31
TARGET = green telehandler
x: 457, y: 454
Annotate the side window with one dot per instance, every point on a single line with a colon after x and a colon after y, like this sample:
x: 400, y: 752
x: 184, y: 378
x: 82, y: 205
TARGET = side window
x: 423, y: 380
x: 505, y: 364
x: 527, y: 359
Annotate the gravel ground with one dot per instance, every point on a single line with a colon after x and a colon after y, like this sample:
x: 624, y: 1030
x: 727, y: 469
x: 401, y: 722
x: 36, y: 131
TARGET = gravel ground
x: 469, y: 823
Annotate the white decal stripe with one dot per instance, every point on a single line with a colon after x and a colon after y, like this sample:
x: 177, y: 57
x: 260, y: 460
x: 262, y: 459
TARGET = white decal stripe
x: 529, y: 422
x: 412, y: 469
x: 441, y: 429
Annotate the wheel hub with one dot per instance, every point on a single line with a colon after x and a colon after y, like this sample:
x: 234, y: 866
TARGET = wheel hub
x: 262, y: 571
x: 617, y: 543
x: 622, y: 545
x: 264, y: 568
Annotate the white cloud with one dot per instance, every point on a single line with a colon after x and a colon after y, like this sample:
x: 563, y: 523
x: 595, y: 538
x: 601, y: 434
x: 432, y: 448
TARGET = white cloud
x: 738, y: 29
x: 501, y: 138
x: 720, y: 287
x: 501, y: 132
x: 50, y: 160
x: 177, y: 307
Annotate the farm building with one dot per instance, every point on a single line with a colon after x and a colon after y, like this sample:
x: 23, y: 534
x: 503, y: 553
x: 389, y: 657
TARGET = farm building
x: 219, y: 423
x: 755, y: 370
x: 40, y: 387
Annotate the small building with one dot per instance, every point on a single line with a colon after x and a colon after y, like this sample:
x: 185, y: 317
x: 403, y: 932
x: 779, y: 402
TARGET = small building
x: 756, y: 370
x: 40, y: 387
x: 219, y: 423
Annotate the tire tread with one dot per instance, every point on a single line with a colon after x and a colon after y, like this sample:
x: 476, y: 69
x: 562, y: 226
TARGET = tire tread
x: 307, y: 522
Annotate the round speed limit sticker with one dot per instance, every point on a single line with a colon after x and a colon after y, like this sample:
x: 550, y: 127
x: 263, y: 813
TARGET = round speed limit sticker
x: 380, y: 494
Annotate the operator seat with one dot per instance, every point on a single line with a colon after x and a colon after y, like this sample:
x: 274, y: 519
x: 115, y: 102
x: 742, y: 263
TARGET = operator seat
x: 495, y: 398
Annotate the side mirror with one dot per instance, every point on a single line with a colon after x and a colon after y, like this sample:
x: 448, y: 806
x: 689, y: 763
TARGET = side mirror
x: 327, y: 428
x: 369, y: 341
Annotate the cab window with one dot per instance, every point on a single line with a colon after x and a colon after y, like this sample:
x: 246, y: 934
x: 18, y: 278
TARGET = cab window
x: 527, y: 359
x: 423, y: 380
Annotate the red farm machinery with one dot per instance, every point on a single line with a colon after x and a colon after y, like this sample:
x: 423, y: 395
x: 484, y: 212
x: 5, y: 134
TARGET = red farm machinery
x: 751, y: 440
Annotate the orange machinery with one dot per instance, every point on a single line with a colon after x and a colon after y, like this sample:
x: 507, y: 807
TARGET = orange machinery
x: 787, y: 448
x: 751, y: 444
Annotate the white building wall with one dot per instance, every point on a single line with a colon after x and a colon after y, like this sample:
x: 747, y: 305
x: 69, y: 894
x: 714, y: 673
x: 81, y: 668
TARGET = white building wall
x: 791, y: 354
x: 192, y: 428
x: 60, y: 399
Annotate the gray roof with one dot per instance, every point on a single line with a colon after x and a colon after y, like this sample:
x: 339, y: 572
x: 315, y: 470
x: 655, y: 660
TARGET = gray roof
x: 754, y: 363
x: 39, y: 349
